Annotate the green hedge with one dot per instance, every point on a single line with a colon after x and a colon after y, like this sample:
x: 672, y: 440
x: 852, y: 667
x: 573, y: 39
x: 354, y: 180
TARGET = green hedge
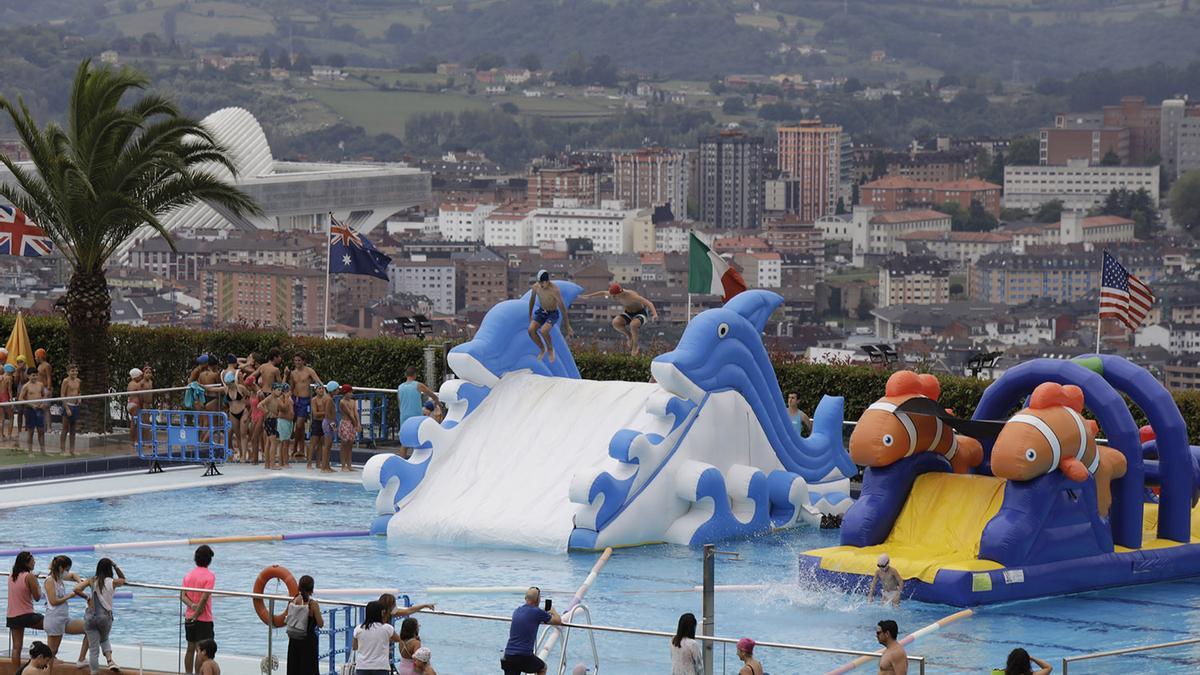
x: 380, y: 362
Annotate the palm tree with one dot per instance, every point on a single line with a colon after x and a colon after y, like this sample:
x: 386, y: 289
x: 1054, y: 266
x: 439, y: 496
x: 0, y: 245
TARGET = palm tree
x: 112, y: 170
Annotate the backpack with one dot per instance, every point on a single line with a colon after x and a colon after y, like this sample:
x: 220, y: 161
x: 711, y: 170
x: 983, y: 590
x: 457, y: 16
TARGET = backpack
x: 297, y: 621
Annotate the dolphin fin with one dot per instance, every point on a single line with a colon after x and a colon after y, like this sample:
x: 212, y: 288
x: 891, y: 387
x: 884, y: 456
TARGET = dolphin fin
x: 756, y: 306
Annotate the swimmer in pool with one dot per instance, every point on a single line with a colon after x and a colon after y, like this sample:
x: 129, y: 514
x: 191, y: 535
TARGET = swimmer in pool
x: 889, y: 580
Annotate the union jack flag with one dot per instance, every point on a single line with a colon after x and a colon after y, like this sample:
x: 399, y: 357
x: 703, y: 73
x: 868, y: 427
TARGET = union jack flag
x: 351, y: 253
x: 19, y: 236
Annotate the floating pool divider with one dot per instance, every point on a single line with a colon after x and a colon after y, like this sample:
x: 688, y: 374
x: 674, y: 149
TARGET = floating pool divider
x: 576, y: 600
x: 906, y: 640
x: 195, y: 541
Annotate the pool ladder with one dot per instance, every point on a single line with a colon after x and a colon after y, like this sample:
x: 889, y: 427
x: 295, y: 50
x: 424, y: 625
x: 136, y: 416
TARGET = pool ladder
x: 578, y: 611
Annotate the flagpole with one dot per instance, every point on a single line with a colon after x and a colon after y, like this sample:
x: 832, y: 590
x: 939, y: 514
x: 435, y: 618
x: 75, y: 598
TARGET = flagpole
x: 328, y: 264
x: 689, y: 309
x: 1099, y: 305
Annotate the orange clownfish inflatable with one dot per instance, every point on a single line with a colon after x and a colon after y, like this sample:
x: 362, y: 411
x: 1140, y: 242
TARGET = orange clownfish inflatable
x: 884, y: 436
x: 1051, y: 434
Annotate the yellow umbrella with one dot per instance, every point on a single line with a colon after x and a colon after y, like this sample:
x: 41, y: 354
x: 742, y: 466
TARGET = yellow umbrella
x: 18, y: 343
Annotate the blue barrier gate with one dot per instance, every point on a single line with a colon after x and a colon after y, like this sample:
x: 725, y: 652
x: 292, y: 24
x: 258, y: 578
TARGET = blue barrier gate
x: 372, y: 415
x: 191, y: 436
x: 338, y: 635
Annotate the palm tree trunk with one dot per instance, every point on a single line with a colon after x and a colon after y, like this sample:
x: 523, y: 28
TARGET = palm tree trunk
x: 88, y: 306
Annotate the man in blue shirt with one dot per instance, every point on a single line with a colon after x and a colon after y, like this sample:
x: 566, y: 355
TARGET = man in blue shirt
x: 410, y: 394
x: 522, y: 634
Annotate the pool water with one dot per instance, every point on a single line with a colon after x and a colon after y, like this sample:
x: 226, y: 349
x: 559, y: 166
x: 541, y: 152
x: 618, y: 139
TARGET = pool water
x: 641, y: 587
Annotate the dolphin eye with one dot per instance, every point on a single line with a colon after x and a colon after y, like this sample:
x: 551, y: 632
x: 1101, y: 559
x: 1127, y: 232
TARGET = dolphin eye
x: 1030, y: 454
x: 888, y: 440
x: 722, y: 330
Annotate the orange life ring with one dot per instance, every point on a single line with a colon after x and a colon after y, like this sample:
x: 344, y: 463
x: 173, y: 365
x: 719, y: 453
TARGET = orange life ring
x: 273, y: 572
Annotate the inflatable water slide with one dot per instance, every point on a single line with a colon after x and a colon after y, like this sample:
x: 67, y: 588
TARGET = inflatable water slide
x: 531, y: 455
x: 1044, y: 509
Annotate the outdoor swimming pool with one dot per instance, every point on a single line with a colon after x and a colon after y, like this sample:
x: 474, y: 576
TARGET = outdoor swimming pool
x: 640, y: 587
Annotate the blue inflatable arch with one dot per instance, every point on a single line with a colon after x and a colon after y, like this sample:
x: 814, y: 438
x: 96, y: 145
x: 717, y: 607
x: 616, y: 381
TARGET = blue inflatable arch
x: 1110, y: 411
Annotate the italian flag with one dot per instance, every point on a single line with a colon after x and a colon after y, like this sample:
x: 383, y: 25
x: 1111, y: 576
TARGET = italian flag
x: 709, y: 274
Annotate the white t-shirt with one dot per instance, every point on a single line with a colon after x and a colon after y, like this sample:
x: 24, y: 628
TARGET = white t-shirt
x: 104, y: 593
x: 373, y: 646
x: 686, y: 659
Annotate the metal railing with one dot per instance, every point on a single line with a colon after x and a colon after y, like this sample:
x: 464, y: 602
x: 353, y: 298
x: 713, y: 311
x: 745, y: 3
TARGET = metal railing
x: 1128, y: 650
x: 332, y: 658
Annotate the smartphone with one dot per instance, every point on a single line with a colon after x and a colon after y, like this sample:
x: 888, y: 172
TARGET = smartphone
x: 549, y: 604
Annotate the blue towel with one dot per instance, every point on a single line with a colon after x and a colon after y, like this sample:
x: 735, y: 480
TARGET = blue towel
x: 194, y: 389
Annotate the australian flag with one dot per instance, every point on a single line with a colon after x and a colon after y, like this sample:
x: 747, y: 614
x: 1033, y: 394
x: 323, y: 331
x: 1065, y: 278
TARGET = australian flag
x: 351, y: 253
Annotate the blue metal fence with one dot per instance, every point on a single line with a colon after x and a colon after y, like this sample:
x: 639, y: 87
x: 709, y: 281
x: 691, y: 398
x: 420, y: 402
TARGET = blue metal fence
x: 372, y: 415
x: 338, y: 635
x: 188, y: 436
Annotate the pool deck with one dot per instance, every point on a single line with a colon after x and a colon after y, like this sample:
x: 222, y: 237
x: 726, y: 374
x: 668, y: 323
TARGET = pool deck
x: 134, y: 482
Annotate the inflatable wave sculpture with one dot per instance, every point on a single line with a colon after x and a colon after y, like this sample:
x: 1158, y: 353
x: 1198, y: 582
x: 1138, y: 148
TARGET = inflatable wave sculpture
x: 703, y: 453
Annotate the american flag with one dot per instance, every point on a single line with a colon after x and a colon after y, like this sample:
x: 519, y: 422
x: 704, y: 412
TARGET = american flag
x: 1122, y: 295
x: 19, y: 236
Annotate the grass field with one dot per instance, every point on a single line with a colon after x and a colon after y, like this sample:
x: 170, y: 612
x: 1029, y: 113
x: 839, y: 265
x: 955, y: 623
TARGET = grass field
x: 550, y: 106
x: 387, y: 111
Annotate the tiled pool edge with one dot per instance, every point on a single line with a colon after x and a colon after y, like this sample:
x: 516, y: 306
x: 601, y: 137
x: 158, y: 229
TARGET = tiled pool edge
x: 83, y: 467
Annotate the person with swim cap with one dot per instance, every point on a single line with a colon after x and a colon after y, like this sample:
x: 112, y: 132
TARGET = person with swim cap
x: 745, y: 652
x: 44, y: 369
x: 236, y: 399
x: 635, y: 312
x: 7, y: 378
x: 135, y: 402
x: 323, y: 430
x: 550, y: 307
x: 889, y: 580
x: 19, y: 377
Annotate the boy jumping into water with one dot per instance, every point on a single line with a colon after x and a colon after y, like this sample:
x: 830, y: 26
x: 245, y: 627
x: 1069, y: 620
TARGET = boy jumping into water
x: 635, y: 312
x: 550, y: 308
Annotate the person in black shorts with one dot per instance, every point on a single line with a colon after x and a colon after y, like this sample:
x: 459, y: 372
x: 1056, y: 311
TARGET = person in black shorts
x: 635, y: 312
x: 522, y: 634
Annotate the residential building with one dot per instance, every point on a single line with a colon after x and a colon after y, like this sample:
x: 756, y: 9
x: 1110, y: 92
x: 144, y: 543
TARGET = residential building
x: 1081, y: 137
x: 960, y: 248
x: 914, y: 280
x: 1183, y: 373
x: 672, y: 238
x: 1076, y: 228
x: 873, y: 233
x: 932, y: 166
x: 420, y: 276
x: 810, y: 152
x: 788, y: 235
x: 186, y: 262
x: 1077, y: 185
x: 1144, y: 124
x: 896, y: 192
x: 509, y: 225
x: 1011, y: 278
x: 612, y: 228
x: 650, y: 177
x: 547, y: 184
x: 267, y: 296
x: 463, y: 221
x: 480, y: 279
x: 762, y: 269
x: 350, y: 294
x: 730, y: 178
x: 1179, y: 137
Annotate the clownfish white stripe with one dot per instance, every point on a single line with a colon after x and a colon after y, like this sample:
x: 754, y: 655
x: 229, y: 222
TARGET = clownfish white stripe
x: 1047, y: 432
x: 904, y: 419
x: 1082, y: 436
x: 937, y: 437
x: 953, y: 448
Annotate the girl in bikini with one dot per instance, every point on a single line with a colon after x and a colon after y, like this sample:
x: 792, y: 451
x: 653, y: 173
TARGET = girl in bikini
x: 236, y: 398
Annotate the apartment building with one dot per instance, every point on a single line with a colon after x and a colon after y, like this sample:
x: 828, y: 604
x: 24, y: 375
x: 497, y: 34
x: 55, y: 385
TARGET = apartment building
x: 1078, y: 185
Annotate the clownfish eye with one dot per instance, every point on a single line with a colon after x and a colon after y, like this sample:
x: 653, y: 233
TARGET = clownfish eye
x: 722, y: 330
x: 1030, y: 454
x: 888, y: 440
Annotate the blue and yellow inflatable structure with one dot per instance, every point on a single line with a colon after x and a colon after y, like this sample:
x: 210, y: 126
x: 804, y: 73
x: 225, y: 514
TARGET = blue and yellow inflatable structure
x: 973, y: 538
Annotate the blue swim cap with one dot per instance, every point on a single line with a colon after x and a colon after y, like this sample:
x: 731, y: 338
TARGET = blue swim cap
x: 202, y: 359
x: 229, y: 377
x: 429, y: 405
x: 331, y: 386
x: 9, y: 368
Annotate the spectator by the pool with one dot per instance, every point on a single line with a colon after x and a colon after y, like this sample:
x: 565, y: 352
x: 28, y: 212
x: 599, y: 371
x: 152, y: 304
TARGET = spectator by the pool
x: 522, y: 634
x: 373, y: 640
x: 305, y: 613
x: 410, y: 642
x: 206, y: 658
x: 58, y: 621
x: 687, y: 658
x: 799, y: 419
x: 1020, y: 662
x: 745, y: 652
x: 894, y: 659
x: 198, y: 617
x: 98, y: 620
x: 389, y: 605
x: 23, y: 591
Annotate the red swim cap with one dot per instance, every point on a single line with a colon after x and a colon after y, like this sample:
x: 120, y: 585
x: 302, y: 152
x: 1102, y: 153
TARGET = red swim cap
x: 614, y: 289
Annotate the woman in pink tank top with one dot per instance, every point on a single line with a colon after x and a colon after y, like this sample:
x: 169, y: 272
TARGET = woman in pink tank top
x: 23, y: 591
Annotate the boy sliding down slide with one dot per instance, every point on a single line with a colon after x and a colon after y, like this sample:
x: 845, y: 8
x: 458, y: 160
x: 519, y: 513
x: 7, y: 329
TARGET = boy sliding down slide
x: 550, y: 307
